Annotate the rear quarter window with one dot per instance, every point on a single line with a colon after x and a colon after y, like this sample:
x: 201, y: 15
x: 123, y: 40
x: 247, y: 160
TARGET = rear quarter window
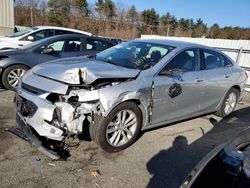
x: 227, y: 62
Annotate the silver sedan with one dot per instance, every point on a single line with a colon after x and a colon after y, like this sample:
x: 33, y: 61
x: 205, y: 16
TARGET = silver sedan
x: 123, y: 90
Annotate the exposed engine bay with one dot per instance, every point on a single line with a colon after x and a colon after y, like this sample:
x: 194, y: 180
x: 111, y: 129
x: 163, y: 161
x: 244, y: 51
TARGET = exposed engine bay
x: 70, y: 107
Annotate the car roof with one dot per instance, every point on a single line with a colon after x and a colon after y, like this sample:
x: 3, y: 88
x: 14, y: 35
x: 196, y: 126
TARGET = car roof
x: 65, y: 29
x: 77, y: 35
x: 174, y: 43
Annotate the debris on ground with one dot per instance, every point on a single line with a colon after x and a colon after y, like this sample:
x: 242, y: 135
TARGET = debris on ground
x: 95, y: 173
x: 38, y: 161
x: 51, y: 164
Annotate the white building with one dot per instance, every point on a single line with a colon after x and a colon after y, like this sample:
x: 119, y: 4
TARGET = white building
x: 6, y: 17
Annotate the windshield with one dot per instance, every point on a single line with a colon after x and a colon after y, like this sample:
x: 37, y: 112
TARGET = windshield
x: 23, y: 32
x: 135, y: 54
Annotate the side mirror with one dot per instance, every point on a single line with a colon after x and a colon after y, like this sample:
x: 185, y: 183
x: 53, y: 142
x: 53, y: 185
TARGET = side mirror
x: 30, y: 38
x: 47, y: 51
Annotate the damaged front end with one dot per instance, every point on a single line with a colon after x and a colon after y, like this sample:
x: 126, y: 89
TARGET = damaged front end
x: 50, y: 109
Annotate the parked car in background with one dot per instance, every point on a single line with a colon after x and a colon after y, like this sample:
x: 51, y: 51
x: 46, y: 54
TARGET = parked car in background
x: 228, y: 165
x: 24, y: 37
x: 14, y: 63
x: 130, y: 87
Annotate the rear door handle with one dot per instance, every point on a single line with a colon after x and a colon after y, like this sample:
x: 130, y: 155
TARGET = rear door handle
x: 227, y: 75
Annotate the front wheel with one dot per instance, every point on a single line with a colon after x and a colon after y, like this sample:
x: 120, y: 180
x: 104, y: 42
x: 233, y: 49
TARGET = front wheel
x: 119, y: 129
x: 11, y: 76
x: 229, y: 103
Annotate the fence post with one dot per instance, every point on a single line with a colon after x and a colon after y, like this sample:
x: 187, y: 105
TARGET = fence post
x: 239, y: 55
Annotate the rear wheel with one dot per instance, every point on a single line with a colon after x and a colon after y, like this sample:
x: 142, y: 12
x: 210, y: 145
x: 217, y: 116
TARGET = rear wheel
x: 11, y: 76
x: 229, y: 103
x: 119, y: 129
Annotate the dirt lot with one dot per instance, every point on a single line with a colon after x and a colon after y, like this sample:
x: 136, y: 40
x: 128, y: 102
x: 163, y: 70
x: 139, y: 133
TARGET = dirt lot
x: 160, y: 158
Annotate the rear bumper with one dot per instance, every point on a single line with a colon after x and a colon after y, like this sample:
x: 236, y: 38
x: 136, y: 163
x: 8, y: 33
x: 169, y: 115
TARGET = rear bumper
x: 24, y: 132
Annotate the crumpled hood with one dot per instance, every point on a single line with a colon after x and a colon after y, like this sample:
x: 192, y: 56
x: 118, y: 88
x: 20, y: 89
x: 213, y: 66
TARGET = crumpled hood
x: 69, y: 70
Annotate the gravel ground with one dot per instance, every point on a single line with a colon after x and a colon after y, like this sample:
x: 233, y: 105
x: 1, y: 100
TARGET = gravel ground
x: 160, y: 158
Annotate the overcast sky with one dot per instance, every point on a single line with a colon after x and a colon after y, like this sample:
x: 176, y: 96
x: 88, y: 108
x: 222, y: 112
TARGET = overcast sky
x: 223, y: 12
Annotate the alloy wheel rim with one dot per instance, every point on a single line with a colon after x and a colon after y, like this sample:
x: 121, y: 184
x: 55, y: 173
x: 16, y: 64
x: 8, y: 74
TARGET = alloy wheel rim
x: 121, y: 128
x: 14, y: 76
x: 230, y: 103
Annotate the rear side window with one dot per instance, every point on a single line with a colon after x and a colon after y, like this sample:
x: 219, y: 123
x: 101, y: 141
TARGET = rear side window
x: 213, y: 60
x: 73, y: 45
x: 186, y: 61
x: 95, y: 45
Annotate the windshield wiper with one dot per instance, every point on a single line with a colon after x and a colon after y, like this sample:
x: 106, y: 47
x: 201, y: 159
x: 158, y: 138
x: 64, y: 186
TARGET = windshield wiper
x: 91, y: 56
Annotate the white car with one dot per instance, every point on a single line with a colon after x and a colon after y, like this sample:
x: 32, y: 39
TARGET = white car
x: 22, y: 38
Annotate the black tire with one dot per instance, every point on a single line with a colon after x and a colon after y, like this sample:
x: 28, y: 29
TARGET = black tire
x: 221, y: 112
x: 99, y: 127
x: 6, y: 72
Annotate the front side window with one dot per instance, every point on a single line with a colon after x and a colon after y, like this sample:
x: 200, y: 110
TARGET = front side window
x: 57, y: 46
x: 135, y: 54
x: 213, y: 60
x: 186, y: 61
x: 68, y: 45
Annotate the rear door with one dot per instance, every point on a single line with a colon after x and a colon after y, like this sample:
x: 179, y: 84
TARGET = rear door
x: 178, y: 89
x: 217, y: 78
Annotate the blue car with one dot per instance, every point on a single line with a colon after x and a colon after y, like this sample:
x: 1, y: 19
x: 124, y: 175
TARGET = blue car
x: 14, y: 63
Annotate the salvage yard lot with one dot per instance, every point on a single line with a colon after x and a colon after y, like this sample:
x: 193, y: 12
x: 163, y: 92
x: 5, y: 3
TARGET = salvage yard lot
x: 160, y: 158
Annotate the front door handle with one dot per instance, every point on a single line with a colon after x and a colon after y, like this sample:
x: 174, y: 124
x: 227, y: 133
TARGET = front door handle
x: 227, y: 75
x: 199, y: 80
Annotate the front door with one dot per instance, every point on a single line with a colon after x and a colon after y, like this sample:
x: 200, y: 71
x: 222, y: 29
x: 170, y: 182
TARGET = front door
x: 63, y: 48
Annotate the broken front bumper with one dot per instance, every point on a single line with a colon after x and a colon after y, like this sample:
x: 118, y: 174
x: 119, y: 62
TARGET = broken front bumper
x: 24, y: 131
x: 37, y: 112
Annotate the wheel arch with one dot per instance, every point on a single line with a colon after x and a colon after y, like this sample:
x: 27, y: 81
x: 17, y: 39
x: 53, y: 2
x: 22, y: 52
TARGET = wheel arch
x: 15, y: 63
x: 237, y: 87
x: 140, y: 105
